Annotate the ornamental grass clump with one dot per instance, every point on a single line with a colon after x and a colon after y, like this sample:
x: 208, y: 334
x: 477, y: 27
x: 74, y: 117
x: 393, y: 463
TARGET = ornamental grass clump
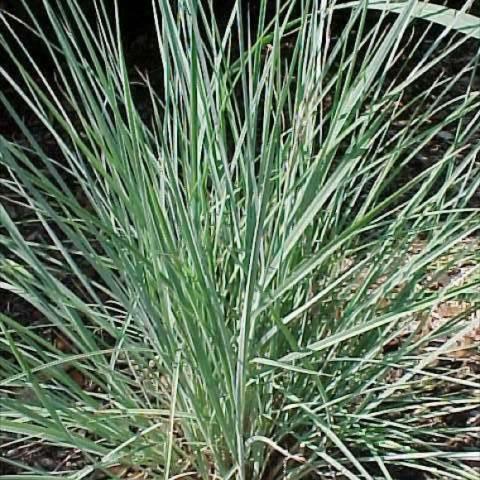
x: 242, y: 279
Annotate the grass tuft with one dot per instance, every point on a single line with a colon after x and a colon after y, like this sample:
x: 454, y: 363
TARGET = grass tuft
x: 243, y: 279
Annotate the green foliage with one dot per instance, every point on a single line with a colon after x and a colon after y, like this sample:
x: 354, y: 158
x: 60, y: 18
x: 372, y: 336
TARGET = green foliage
x: 228, y: 274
